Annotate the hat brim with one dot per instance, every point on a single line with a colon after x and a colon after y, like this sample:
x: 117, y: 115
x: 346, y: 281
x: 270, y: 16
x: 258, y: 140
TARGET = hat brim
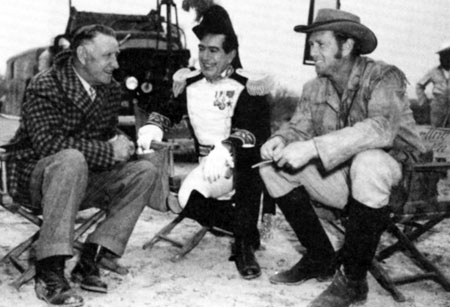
x: 364, y: 35
x: 199, y: 31
x: 445, y: 50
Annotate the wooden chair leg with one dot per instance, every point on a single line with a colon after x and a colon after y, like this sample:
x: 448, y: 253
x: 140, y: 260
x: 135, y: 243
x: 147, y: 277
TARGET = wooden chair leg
x: 411, y: 235
x: 186, y: 246
x: 431, y: 270
x: 190, y: 244
x: 162, y: 234
x: 383, y: 278
x: 20, y: 249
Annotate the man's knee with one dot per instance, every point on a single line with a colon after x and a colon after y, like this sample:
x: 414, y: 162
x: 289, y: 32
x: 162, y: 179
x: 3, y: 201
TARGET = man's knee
x: 373, y: 173
x: 375, y: 163
x: 71, y: 162
x: 144, y: 171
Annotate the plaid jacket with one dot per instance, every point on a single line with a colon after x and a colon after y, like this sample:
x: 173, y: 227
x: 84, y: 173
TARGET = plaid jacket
x: 58, y: 114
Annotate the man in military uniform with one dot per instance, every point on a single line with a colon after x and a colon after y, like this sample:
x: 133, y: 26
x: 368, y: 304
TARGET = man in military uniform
x: 229, y: 116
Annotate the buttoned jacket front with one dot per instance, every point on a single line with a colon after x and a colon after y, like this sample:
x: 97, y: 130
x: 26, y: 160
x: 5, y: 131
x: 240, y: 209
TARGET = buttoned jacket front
x: 373, y: 113
x: 57, y: 114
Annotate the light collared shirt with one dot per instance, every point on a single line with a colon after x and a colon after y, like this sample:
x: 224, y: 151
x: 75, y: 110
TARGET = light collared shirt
x: 89, y: 89
x: 438, y: 77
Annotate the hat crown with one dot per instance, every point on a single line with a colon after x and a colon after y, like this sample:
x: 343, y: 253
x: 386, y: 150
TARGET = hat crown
x: 329, y: 15
x: 215, y: 20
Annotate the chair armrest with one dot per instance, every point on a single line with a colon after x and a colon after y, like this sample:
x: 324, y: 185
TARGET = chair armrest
x: 155, y: 145
x: 3, y: 155
x: 430, y: 166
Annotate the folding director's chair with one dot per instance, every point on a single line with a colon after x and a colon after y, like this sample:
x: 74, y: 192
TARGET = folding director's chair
x: 186, y: 245
x: 415, y: 210
x: 15, y: 256
x: 411, y: 219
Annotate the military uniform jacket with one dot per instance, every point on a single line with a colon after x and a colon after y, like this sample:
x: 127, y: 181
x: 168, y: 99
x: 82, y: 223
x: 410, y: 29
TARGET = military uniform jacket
x: 234, y: 110
x: 57, y: 114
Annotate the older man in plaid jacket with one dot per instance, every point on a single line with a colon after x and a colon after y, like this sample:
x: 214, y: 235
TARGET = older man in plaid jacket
x: 68, y: 156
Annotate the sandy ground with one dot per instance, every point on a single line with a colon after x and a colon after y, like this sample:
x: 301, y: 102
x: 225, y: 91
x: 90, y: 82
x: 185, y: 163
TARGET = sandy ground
x: 205, y: 277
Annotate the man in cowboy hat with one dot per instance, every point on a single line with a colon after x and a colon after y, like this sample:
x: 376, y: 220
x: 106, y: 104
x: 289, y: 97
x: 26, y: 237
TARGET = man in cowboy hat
x: 439, y: 76
x: 339, y: 149
x: 229, y: 115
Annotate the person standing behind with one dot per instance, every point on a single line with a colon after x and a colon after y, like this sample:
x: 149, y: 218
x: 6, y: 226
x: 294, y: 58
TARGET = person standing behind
x: 68, y: 156
x: 229, y: 116
x: 47, y: 57
x: 342, y: 148
x: 439, y: 77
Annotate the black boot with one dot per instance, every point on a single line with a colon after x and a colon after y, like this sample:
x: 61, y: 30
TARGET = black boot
x: 51, y: 284
x: 363, y: 231
x: 320, y: 258
x: 243, y: 254
x: 342, y: 292
x: 245, y: 219
x: 86, y: 272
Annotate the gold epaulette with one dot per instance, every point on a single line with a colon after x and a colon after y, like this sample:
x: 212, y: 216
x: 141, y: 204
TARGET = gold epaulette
x: 258, y: 84
x: 179, y: 79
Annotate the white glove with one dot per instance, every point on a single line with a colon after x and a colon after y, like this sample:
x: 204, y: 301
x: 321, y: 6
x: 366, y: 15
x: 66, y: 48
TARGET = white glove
x: 217, y: 164
x: 146, y: 135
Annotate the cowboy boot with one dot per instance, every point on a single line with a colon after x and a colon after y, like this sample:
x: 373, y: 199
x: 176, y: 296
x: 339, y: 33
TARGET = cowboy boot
x: 342, y: 292
x: 363, y: 231
x: 320, y: 259
x: 86, y: 271
x: 51, y: 284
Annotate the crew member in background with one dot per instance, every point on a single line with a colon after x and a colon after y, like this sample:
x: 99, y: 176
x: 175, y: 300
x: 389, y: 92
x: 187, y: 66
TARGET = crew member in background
x: 439, y: 77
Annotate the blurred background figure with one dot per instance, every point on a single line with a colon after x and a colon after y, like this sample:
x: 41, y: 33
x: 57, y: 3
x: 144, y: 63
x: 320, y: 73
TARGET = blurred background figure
x: 439, y: 77
x: 60, y: 43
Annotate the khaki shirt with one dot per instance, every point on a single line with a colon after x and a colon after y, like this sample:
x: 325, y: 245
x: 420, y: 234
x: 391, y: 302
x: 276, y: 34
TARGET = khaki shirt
x: 373, y: 113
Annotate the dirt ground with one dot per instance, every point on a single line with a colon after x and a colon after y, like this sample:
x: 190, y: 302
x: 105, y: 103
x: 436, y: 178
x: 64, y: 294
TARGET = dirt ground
x: 205, y: 277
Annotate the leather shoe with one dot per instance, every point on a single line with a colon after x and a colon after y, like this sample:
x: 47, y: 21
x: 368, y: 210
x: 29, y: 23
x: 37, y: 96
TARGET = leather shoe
x: 244, y: 256
x: 342, y: 292
x: 307, y: 268
x: 87, y: 273
x: 51, y: 285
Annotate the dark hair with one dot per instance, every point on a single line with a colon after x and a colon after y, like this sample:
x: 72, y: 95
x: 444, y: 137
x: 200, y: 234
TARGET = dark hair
x: 87, y: 33
x: 216, y: 20
x: 229, y: 44
x: 341, y: 38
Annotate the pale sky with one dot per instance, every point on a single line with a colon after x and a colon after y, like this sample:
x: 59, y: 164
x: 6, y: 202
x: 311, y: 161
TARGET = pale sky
x: 409, y: 31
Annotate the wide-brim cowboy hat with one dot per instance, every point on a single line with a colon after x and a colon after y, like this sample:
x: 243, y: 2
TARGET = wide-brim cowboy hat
x: 344, y: 22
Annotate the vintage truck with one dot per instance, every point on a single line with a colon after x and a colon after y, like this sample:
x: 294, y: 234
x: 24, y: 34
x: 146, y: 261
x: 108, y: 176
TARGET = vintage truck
x: 152, y: 49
